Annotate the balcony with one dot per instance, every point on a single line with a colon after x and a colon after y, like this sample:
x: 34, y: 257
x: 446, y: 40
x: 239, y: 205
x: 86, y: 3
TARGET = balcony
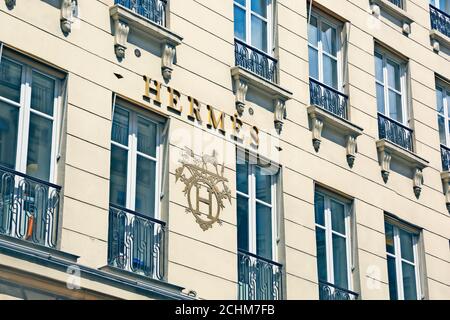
x: 136, y: 243
x: 29, y: 208
x: 395, y: 132
x: 328, y: 291
x: 259, y: 278
x: 328, y: 98
x: 440, y: 25
x: 153, y: 10
x: 393, y: 10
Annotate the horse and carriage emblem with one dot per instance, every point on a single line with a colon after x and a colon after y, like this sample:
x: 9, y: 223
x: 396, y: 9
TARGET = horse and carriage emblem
x: 205, y: 187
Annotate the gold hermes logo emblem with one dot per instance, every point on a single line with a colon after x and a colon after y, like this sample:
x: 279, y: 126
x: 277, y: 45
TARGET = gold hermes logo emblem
x: 205, y: 187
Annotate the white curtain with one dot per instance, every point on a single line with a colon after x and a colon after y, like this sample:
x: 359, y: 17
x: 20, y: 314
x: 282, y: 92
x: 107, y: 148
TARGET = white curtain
x: 165, y: 157
x: 345, y: 36
x: 64, y: 103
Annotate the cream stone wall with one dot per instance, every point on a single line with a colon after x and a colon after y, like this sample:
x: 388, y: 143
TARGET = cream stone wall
x: 205, y: 261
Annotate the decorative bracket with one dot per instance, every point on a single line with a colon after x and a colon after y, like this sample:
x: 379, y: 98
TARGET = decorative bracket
x: 168, y: 56
x: 68, y: 9
x: 120, y: 38
x: 10, y: 4
x: 418, y: 182
x: 241, y: 88
x: 280, y: 114
x: 385, y: 163
x: 445, y: 176
x: 399, y: 13
x: 317, y: 126
x: 351, y: 147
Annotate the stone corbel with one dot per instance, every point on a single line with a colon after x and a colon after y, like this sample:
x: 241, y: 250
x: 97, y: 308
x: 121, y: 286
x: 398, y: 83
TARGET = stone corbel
x: 385, y: 163
x: 168, y: 56
x: 241, y: 88
x: 280, y: 114
x: 68, y: 7
x: 436, y: 45
x: 10, y: 4
x: 351, y: 147
x: 376, y: 11
x: 445, y: 176
x: 418, y: 182
x: 120, y: 38
x: 317, y: 126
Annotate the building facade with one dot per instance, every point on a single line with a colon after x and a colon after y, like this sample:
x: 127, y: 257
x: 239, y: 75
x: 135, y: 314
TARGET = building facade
x: 239, y: 149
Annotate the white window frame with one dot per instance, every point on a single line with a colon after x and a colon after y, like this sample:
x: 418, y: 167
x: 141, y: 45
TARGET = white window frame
x: 133, y: 153
x: 403, y: 86
x: 321, y: 18
x: 25, y: 112
x: 253, y: 201
x: 329, y: 235
x: 398, y: 261
x: 446, y: 105
x: 248, y: 24
x: 437, y: 4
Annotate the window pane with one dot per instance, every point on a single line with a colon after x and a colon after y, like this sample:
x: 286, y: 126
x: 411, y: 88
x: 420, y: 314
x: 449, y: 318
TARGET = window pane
x: 259, y: 33
x: 440, y: 101
x: 118, y: 182
x: 338, y: 217
x: 264, y: 231
x: 407, y: 246
x: 389, y: 233
x: 379, y: 68
x: 321, y: 254
x: 145, y: 186
x: 319, y: 209
x: 260, y: 7
x: 313, y: 63
x: 409, y: 281
x: 242, y: 177
x: 263, y: 185
x: 8, y: 135
x: 242, y: 223
x: 42, y: 93
x: 10, y: 80
x: 239, y: 24
x: 120, y: 126
x: 393, y: 70
x: 328, y: 37
x: 380, y: 99
x: 313, y: 32
x: 39, y: 147
x: 241, y: 2
x: 147, y: 137
x: 395, y: 106
x: 330, y: 72
x: 340, y: 262
x: 442, y: 137
x: 392, y: 278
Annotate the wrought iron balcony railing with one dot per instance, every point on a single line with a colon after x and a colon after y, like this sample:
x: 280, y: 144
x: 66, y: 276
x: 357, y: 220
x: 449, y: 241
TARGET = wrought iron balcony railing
x: 153, y: 10
x: 440, y: 20
x: 398, y: 3
x: 328, y: 291
x: 136, y: 243
x: 255, y: 60
x: 328, y: 98
x: 395, y: 132
x: 445, y: 157
x: 259, y: 278
x: 29, y: 208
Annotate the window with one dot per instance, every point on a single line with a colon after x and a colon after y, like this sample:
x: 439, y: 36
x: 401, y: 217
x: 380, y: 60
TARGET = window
x: 332, y: 216
x: 324, y: 51
x: 253, y: 23
x: 443, y: 105
x: 402, y: 260
x: 390, y: 74
x: 28, y: 113
x: 443, y: 5
x: 135, y: 151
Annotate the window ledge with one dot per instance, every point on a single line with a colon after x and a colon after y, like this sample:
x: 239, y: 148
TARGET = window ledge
x: 124, y: 19
x: 438, y: 39
x: 244, y: 79
x: 387, y: 150
x: 390, y: 8
x: 320, y: 117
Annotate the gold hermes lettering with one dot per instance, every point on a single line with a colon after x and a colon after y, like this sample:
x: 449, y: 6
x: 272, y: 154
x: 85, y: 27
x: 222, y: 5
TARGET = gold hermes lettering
x: 194, y: 110
x: 174, y: 100
x: 214, y: 122
x: 156, y: 90
x: 208, y: 201
x: 237, y: 126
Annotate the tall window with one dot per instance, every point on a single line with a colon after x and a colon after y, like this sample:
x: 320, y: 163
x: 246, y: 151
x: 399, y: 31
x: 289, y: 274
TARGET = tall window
x: 256, y: 195
x: 443, y: 5
x: 324, y: 50
x: 135, y: 150
x: 332, y: 217
x: 253, y: 23
x: 402, y: 260
x: 28, y: 113
x: 390, y: 74
x: 443, y: 105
